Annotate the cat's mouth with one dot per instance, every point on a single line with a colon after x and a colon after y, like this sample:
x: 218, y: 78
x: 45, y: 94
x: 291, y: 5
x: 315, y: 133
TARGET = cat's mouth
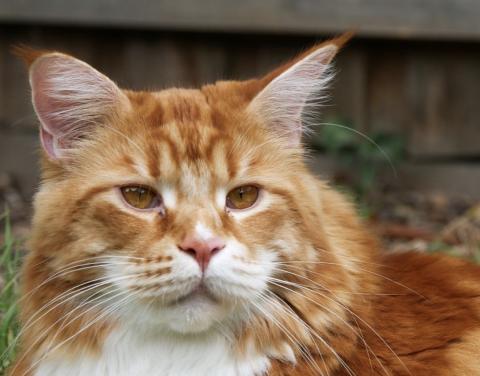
x: 199, y: 293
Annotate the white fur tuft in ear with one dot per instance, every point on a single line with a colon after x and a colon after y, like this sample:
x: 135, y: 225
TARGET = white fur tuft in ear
x: 288, y: 99
x: 70, y: 97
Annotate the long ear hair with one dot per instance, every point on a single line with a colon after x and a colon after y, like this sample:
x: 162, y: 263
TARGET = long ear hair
x: 70, y: 98
x: 289, y: 93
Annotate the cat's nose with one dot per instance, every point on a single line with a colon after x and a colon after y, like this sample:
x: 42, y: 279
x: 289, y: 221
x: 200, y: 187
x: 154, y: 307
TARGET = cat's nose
x: 202, y: 250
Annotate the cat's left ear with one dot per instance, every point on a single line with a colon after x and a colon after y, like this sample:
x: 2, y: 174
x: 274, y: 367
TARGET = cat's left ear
x: 292, y: 90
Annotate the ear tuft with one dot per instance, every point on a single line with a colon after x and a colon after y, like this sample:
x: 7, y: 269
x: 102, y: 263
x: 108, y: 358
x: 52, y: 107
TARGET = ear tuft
x: 293, y: 90
x: 28, y: 54
x: 70, y: 98
x: 343, y: 39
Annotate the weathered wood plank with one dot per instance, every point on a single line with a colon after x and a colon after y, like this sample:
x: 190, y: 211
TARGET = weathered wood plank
x: 19, y: 158
x: 387, y: 102
x: 446, y: 19
x: 456, y: 179
x: 348, y: 92
x: 443, y: 92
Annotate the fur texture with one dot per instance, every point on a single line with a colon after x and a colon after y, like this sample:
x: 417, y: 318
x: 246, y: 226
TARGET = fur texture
x: 300, y: 286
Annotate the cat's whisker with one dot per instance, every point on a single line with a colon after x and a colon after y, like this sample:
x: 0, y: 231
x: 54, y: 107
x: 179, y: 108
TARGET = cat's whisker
x: 93, y: 260
x: 361, y: 269
x: 326, y: 344
x: 293, y: 339
x: 68, y: 314
x: 63, y: 299
x: 93, y: 257
x: 277, y: 281
x: 83, y: 267
x: 317, y: 249
x: 313, y: 333
x: 352, y: 259
x: 318, y: 284
x: 287, y: 310
x: 71, y: 266
x: 336, y: 301
x: 77, y: 290
x: 100, y: 317
x: 341, y: 361
x: 351, y: 312
x: 224, y: 330
x: 369, y: 139
x: 67, y: 318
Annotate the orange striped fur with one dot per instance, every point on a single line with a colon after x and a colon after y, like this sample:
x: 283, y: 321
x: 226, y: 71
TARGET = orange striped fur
x: 301, y: 287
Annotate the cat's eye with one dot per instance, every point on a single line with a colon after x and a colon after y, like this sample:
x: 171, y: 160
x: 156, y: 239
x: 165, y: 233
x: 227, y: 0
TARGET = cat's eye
x: 242, y: 197
x: 140, y: 197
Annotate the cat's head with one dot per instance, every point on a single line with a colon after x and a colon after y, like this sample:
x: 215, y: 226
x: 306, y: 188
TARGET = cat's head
x: 180, y: 208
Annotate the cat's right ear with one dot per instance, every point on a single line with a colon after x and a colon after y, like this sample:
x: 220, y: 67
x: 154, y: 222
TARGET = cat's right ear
x: 70, y: 98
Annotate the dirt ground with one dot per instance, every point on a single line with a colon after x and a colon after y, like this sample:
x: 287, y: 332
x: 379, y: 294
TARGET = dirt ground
x: 430, y: 222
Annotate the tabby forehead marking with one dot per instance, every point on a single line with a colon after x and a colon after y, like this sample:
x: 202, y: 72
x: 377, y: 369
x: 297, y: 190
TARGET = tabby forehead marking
x: 185, y: 109
x: 167, y: 161
x: 142, y: 170
x: 220, y: 164
x: 176, y: 138
x: 195, y: 180
x: 153, y: 161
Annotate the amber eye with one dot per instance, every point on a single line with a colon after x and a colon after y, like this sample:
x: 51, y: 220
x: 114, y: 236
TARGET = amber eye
x: 242, y: 197
x: 140, y: 197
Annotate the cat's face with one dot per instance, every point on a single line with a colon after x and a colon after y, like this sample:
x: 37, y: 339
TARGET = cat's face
x: 177, y: 208
x: 184, y: 214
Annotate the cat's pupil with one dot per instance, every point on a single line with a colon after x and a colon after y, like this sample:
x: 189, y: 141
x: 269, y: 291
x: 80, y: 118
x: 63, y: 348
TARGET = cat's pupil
x: 140, y: 197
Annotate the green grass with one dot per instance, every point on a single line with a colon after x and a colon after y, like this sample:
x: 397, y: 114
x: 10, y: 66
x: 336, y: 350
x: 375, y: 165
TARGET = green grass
x: 472, y: 254
x: 9, y: 265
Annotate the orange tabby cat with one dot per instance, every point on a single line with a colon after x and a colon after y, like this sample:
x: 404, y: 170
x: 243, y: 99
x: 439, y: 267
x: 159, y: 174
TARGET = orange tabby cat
x: 180, y: 233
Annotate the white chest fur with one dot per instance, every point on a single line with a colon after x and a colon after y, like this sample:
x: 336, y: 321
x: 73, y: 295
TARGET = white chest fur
x: 127, y: 353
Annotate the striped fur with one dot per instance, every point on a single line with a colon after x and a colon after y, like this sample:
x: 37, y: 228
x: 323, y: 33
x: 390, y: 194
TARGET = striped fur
x: 300, y: 287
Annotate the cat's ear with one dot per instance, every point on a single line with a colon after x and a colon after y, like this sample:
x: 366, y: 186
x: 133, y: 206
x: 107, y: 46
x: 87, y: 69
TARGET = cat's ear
x: 291, y: 91
x: 70, y: 98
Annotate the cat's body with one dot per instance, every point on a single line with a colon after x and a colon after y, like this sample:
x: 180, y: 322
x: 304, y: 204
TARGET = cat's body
x: 235, y: 261
x: 427, y: 336
x: 439, y: 335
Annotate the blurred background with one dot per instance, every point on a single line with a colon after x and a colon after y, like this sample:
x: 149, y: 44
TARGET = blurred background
x: 401, y: 132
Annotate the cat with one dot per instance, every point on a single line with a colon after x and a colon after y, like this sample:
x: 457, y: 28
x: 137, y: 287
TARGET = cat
x: 180, y: 233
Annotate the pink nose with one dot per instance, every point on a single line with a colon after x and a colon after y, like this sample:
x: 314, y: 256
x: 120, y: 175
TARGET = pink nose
x: 202, y: 250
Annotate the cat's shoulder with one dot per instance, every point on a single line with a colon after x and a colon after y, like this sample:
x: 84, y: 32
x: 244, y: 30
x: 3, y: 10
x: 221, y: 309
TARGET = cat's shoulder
x: 432, y: 272
x: 428, y: 311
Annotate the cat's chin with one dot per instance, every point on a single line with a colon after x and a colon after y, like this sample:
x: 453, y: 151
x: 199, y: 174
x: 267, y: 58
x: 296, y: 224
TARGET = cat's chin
x: 198, y: 311
x: 195, y: 313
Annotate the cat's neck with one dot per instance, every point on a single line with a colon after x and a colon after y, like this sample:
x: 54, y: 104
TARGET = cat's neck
x: 130, y: 350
